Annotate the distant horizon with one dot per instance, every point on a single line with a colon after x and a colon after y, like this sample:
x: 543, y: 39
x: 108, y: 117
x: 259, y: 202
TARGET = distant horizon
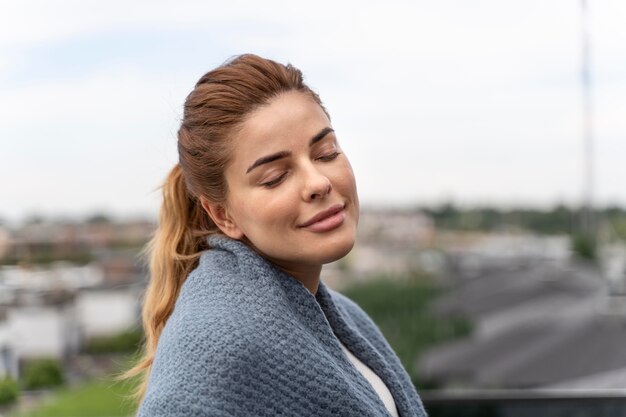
x: 153, y: 216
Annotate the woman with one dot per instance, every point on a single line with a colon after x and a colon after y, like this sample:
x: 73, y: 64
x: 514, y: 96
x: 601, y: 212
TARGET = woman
x: 237, y: 320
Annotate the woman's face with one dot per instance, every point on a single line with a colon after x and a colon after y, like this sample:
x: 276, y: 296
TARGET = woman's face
x: 291, y: 190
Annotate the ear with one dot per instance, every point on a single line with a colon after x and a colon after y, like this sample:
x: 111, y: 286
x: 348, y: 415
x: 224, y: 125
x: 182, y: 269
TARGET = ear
x: 220, y: 216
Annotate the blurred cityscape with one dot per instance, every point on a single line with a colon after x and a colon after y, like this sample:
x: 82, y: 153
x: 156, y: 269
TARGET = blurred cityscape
x: 546, y: 309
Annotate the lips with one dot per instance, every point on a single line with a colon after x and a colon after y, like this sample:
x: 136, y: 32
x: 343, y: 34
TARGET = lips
x: 323, y: 215
x: 326, y: 220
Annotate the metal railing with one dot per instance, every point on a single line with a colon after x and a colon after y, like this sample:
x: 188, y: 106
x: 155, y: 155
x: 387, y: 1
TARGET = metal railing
x: 525, y: 403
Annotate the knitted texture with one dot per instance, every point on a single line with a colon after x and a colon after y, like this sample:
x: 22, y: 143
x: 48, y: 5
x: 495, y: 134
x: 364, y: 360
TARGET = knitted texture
x: 247, y: 339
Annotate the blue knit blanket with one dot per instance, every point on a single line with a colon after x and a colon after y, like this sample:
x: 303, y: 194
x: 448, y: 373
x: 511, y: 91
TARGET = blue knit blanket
x: 246, y: 339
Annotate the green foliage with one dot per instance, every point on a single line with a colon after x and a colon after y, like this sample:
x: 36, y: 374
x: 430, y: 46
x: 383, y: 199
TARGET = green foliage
x: 399, y: 308
x: 584, y: 246
x: 98, y: 218
x: 558, y: 220
x: 8, y: 390
x: 45, y: 256
x: 616, y: 219
x: 125, y: 342
x: 42, y: 373
x: 101, y: 398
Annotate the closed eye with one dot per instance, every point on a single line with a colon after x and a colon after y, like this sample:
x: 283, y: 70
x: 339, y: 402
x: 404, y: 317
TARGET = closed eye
x: 329, y: 157
x: 275, y: 181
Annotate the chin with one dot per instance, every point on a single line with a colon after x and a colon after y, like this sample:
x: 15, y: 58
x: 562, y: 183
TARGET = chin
x: 335, y: 250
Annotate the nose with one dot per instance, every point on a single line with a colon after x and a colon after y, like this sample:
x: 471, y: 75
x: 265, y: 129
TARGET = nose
x: 316, y: 185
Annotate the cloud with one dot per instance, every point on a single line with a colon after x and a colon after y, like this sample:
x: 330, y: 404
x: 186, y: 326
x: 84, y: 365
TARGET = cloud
x: 430, y: 99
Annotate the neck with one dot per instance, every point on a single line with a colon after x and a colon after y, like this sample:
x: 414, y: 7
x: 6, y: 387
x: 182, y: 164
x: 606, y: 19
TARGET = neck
x: 308, y: 275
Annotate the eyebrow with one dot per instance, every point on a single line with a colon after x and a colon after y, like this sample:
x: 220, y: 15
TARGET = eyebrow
x: 320, y: 135
x: 283, y: 154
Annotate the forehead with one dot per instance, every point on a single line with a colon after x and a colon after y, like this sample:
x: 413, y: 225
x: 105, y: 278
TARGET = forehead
x: 287, y: 121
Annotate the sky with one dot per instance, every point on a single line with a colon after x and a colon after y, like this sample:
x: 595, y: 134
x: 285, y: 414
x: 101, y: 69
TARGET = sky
x: 475, y: 102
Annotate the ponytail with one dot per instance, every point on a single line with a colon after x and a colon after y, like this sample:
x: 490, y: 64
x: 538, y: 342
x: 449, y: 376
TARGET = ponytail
x: 173, y: 253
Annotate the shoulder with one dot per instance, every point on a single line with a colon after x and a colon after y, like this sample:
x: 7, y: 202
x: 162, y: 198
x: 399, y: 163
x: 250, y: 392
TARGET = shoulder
x: 207, y: 347
x: 217, y: 308
x: 195, y: 373
x: 224, y: 302
x: 225, y: 323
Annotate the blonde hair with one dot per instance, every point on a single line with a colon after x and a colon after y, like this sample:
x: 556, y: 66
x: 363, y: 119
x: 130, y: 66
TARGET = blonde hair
x: 213, y: 111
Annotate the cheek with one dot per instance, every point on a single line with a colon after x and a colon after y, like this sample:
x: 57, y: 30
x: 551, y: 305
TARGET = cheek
x: 346, y: 185
x: 346, y: 181
x: 282, y: 207
x: 243, y: 213
x: 266, y: 209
